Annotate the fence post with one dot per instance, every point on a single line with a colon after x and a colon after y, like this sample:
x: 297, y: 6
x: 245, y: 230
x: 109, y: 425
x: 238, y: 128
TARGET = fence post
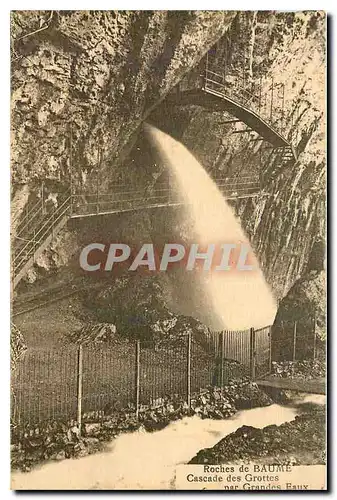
x: 294, y: 340
x: 315, y: 334
x: 189, y: 344
x: 222, y: 357
x: 34, y: 245
x: 53, y: 220
x: 137, y: 377
x: 260, y: 95
x: 282, y: 116
x: 271, y: 100
x: 97, y: 194
x: 169, y: 189
x: 270, y: 347
x: 71, y: 167
x: 79, y: 386
x: 42, y: 197
x: 252, y: 353
x: 99, y: 160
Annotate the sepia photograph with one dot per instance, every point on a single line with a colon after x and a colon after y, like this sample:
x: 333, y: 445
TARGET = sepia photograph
x: 168, y: 258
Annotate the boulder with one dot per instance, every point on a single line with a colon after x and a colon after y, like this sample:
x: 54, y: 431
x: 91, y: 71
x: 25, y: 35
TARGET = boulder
x: 305, y: 303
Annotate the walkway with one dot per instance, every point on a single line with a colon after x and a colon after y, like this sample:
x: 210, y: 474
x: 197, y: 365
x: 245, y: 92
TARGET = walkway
x: 219, y: 101
x: 41, y: 224
x: 259, y: 106
x: 123, y: 198
x: 317, y: 386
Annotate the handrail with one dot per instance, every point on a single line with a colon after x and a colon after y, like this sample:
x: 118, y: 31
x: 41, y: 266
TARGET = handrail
x: 31, y: 210
x: 136, y: 191
x: 245, y: 183
x: 45, y: 224
x: 150, y: 190
x: 50, y: 222
x: 240, y: 186
x: 121, y: 201
x: 54, y: 220
x: 21, y: 229
x: 35, y: 242
x: 216, y: 74
x: 235, y: 183
x: 235, y: 178
x: 27, y: 244
x: 98, y: 198
x: 149, y: 196
x: 248, y: 93
x: 257, y: 330
x: 225, y: 84
x: 233, y: 93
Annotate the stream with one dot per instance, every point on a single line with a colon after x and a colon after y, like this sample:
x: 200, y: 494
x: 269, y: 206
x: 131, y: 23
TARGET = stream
x: 143, y: 460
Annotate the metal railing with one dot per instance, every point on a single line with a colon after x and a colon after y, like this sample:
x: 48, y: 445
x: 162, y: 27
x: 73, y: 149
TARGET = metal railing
x: 121, y: 199
x: 33, y: 214
x: 39, y: 223
x: 95, y: 379
x: 73, y: 382
x: 257, y: 102
x: 264, y: 98
x: 295, y: 339
x: 39, y: 232
x: 89, y: 203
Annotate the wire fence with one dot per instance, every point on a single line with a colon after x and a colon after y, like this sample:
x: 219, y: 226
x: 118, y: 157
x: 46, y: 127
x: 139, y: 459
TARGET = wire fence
x: 44, y: 385
x: 74, y: 382
x: 295, y: 340
x: 78, y: 382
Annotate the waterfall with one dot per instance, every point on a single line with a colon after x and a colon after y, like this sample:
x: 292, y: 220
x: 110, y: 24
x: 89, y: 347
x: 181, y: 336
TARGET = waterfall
x: 238, y: 300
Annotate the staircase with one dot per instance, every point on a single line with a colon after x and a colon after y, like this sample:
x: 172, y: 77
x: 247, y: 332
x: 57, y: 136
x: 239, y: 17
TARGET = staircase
x: 35, y: 232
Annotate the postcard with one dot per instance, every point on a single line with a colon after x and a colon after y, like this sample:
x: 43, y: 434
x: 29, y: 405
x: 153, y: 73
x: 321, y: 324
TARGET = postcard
x: 168, y: 250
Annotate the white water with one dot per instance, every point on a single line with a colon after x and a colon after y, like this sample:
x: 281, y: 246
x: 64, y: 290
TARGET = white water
x: 142, y: 460
x: 239, y: 299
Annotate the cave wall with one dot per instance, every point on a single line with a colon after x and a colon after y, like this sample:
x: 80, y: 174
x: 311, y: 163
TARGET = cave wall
x: 94, y: 76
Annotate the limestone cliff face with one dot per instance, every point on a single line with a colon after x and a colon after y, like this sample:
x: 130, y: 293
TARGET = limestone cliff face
x: 96, y: 75
x: 305, y: 305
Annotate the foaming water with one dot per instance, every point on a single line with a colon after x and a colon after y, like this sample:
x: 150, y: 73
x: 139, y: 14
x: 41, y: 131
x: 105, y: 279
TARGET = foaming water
x: 239, y: 299
x: 142, y: 460
x: 318, y: 399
